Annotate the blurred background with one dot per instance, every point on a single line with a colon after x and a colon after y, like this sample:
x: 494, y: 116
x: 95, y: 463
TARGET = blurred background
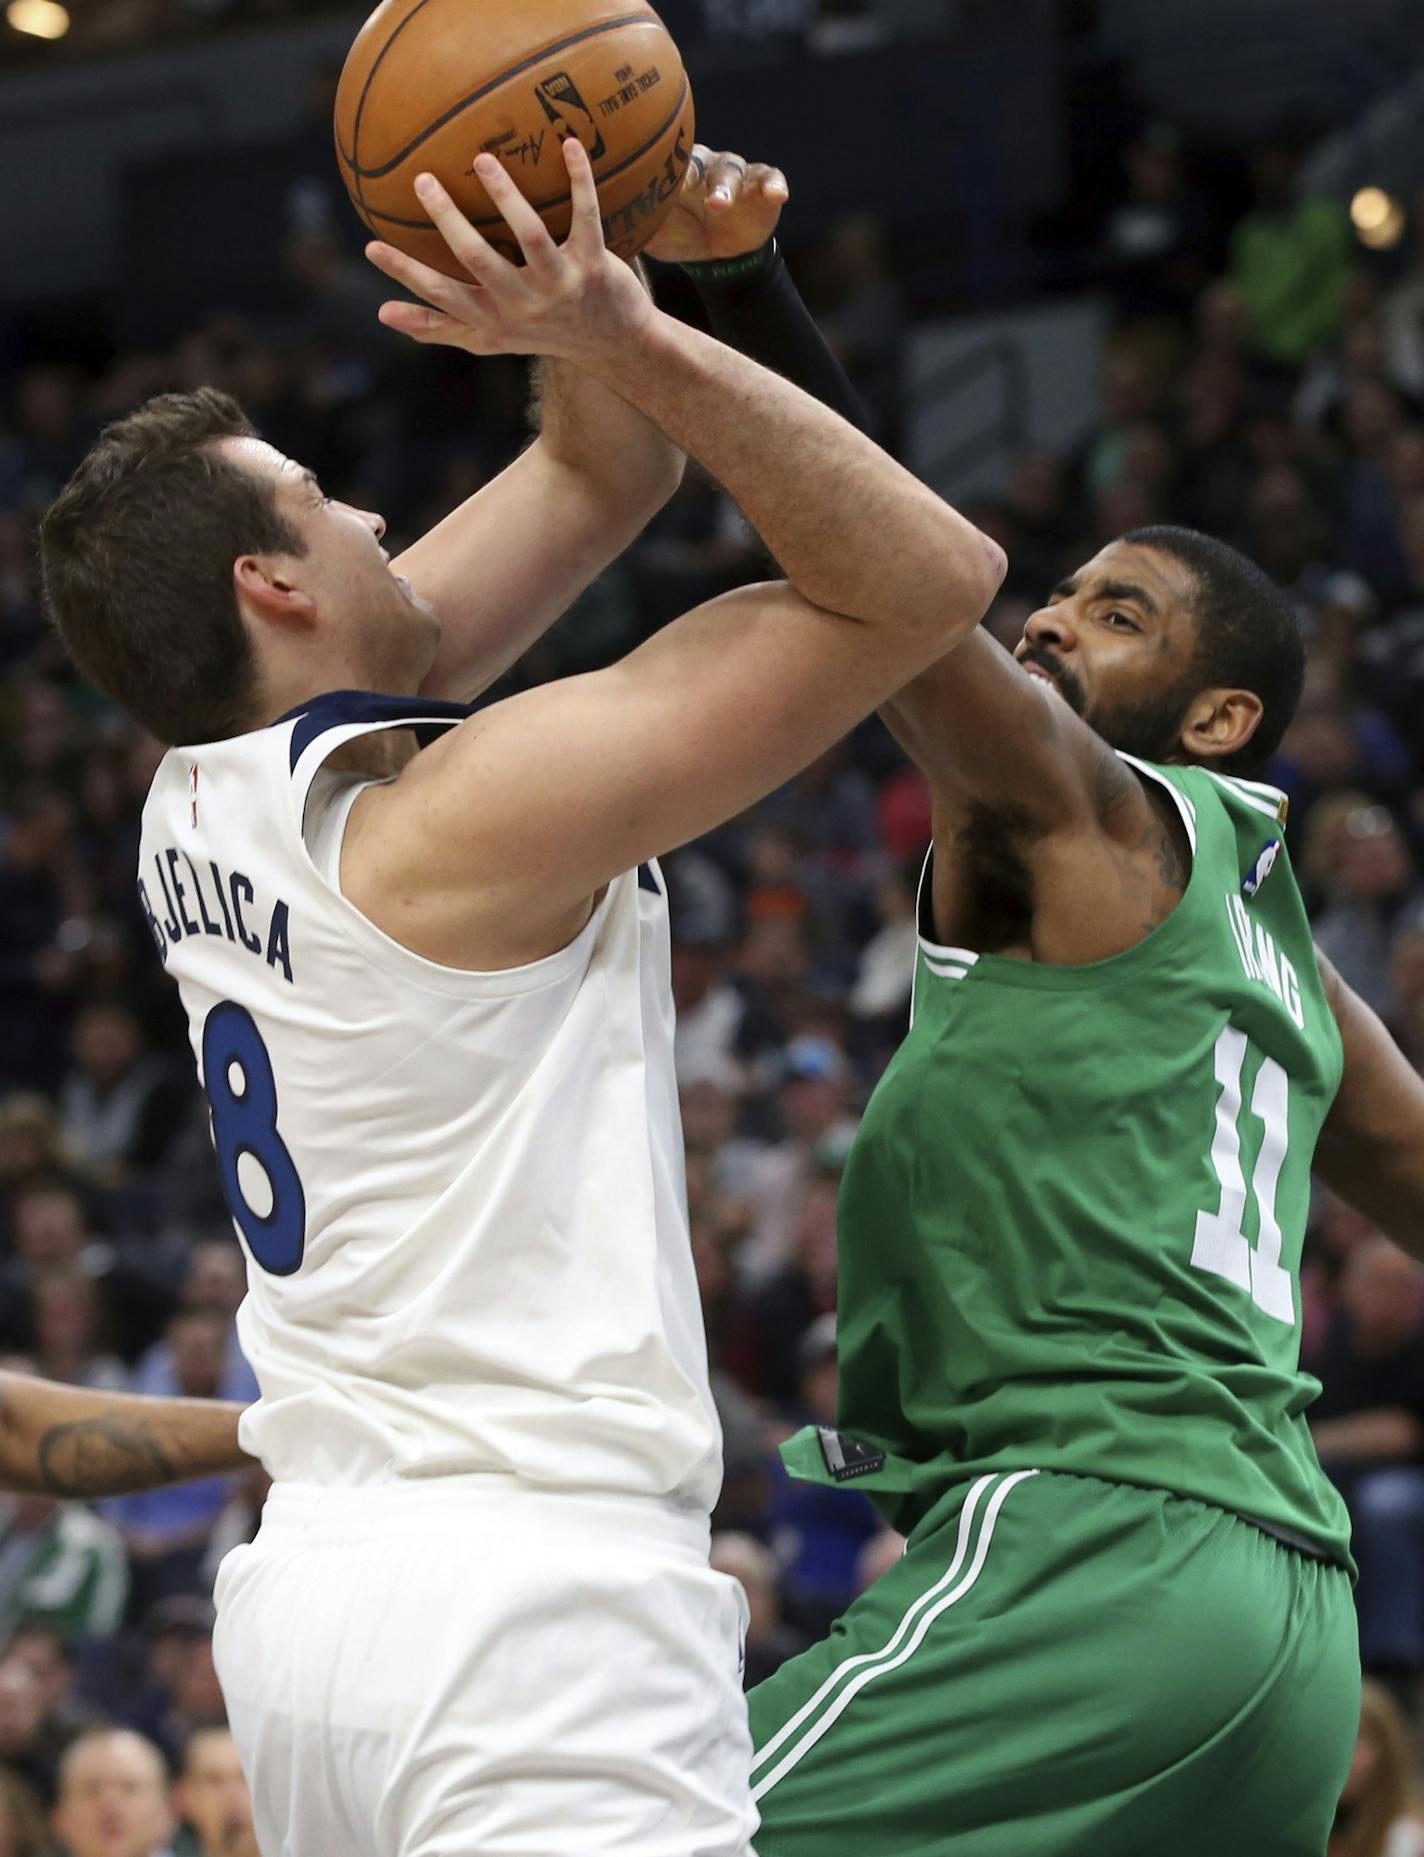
x: 1091, y: 263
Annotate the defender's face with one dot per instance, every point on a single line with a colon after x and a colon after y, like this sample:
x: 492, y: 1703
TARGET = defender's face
x: 1116, y: 641
x: 345, y: 571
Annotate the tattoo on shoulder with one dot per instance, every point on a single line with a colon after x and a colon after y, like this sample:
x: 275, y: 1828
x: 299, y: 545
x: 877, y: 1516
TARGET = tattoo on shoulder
x: 102, y: 1457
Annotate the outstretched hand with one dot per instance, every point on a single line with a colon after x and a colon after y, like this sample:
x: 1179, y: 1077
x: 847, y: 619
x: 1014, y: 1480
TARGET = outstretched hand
x: 724, y: 209
x: 571, y: 301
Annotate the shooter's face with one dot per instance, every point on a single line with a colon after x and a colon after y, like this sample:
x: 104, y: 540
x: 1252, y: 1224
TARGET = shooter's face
x: 365, y: 614
x: 1117, y: 641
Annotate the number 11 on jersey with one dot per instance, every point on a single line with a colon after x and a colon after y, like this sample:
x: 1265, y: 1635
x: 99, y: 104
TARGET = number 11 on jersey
x: 1220, y: 1245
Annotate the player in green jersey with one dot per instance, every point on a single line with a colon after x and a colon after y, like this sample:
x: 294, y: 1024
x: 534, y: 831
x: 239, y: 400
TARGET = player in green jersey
x: 1070, y: 1236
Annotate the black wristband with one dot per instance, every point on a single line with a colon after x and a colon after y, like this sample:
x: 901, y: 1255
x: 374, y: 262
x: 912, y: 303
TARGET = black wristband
x: 732, y: 270
x: 753, y: 306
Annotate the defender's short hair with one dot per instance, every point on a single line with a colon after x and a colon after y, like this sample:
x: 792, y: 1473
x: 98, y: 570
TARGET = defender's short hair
x: 1248, y: 635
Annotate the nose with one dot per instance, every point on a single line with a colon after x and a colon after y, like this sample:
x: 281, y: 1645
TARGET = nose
x: 1051, y: 626
x: 375, y: 522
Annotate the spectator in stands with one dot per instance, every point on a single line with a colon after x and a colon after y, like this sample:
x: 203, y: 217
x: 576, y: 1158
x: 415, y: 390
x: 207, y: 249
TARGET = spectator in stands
x: 24, y: 1750
x: 880, y: 994
x: 710, y: 1012
x: 1407, y: 979
x: 815, y: 1104
x: 113, y: 1797
x: 818, y: 1532
x: 180, y: 1693
x: 39, y: 1716
x: 211, y: 1796
x: 215, y: 1281
x: 22, y: 1820
x: 119, y: 1103
x: 1158, y: 243
x: 70, y: 1333
x: 60, y: 1564
x: 1369, y: 1431
x: 45, y: 1650
x: 769, y: 1640
x: 1380, y: 1813
x: 790, y: 1301
x: 53, y: 1241
x: 38, y: 973
x: 1375, y: 890
x: 166, y: 1530
x: 31, y: 1150
x: 1290, y: 261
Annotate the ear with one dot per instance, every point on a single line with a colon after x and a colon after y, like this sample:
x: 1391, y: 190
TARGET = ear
x: 1220, y: 723
x: 262, y: 587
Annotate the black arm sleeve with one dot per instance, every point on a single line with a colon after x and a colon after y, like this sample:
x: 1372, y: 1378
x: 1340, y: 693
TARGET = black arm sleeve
x: 761, y: 315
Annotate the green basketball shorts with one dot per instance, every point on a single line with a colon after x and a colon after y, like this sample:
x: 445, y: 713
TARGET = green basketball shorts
x: 1058, y: 1666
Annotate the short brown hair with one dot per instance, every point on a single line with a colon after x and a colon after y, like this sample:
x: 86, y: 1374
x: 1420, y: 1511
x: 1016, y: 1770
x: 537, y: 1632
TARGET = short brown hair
x: 137, y: 551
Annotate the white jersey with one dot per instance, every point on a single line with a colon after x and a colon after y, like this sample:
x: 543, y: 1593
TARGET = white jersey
x: 462, y: 1195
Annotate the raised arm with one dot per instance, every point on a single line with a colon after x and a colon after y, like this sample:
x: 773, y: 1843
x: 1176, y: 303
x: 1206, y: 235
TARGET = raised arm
x: 509, y: 825
x: 67, y: 1441
x: 984, y: 733
x: 1371, y: 1149
x: 512, y: 558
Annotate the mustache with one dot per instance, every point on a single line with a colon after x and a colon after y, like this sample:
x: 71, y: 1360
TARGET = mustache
x: 1068, y: 684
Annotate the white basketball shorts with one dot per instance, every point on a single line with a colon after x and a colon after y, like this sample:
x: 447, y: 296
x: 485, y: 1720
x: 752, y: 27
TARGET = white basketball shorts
x: 471, y: 1668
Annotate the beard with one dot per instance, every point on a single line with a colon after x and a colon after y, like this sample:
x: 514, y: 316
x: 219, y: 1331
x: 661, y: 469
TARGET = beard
x: 1147, y: 727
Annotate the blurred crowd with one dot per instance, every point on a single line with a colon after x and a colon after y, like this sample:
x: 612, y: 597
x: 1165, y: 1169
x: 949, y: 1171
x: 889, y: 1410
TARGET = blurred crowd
x: 817, y: 25
x: 1264, y: 379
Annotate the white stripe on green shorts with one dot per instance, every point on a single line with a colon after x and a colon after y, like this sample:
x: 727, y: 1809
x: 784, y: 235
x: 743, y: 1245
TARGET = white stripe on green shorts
x: 847, y: 1680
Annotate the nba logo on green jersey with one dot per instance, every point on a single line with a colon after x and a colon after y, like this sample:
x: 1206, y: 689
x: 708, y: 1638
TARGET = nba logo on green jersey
x: 1070, y: 1229
x: 1262, y: 961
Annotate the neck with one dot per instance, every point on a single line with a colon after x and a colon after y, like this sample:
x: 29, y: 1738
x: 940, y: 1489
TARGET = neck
x: 379, y: 754
x: 285, y: 689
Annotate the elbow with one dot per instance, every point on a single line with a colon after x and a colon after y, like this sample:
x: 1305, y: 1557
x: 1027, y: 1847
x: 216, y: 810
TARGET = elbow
x: 966, y: 594
x: 669, y: 477
x: 996, y: 565
x: 983, y: 575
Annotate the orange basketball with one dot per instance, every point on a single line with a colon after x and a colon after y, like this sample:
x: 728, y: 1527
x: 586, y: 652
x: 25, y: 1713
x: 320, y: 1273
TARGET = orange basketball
x: 430, y: 84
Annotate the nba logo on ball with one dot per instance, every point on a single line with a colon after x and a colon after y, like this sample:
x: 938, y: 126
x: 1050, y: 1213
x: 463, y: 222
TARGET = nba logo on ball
x: 427, y: 83
x: 557, y: 91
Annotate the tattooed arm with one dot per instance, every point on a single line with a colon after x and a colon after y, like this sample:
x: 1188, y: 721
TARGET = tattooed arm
x: 67, y: 1441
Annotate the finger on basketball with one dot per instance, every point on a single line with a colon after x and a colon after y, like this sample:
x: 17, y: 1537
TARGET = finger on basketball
x: 426, y: 282
x: 726, y: 175
x: 586, y: 230
x: 472, y: 249
x: 417, y: 320
x: 521, y: 218
x: 695, y: 179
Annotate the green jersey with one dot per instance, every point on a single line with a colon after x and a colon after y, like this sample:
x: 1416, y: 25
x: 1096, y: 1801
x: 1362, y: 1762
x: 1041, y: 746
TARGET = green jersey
x: 1070, y: 1227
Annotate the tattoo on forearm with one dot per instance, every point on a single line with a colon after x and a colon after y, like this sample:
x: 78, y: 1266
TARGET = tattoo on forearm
x: 92, y: 1457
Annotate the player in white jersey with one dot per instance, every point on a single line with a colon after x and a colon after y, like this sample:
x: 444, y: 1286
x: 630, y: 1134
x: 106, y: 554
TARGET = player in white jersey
x: 428, y: 988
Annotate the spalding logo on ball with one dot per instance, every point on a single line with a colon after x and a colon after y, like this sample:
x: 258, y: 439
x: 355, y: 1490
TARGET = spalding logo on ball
x: 430, y: 84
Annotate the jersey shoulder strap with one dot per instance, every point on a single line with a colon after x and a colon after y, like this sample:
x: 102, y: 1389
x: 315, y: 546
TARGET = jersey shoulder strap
x: 319, y: 728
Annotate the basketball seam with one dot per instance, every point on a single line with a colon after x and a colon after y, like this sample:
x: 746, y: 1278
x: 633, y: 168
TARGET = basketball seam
x: 350, y: 159
x: 543, y: 206
x: 548, y: 51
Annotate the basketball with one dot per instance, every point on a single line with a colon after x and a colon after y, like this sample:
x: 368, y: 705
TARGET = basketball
x: 430, y: 84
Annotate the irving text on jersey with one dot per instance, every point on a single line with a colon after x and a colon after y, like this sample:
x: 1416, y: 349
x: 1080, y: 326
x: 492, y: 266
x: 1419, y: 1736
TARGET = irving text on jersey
x: 205, y: 900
